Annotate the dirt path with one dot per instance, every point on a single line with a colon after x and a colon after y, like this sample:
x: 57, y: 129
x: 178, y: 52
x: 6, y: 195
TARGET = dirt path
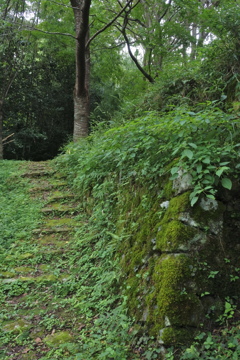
x: 39, y: 315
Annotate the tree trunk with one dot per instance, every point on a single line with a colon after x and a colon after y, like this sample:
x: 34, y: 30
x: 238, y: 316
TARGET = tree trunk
x: 194, y: 42
x: 1, y: 130
x: 81, y: 116
x: 81, y: 97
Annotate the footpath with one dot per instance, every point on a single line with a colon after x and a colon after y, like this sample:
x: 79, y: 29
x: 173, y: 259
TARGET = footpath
x: 38, y: 319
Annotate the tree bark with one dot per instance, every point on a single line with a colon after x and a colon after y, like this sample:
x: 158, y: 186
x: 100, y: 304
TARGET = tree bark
x: 81, y: 10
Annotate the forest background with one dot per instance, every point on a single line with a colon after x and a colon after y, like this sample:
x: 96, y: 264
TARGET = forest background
x: 147, y: 55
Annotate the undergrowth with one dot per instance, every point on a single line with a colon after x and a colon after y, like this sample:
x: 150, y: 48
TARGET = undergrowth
x: 203, y: 143
x: 18, y: 214
x: 103, y: 308
x: 221, y: 344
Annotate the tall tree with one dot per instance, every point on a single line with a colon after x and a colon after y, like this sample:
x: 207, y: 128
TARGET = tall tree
x: 81, y: 9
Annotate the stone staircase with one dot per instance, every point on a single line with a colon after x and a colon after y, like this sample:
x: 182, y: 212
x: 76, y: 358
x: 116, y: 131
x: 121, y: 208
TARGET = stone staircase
x: 38, y: 315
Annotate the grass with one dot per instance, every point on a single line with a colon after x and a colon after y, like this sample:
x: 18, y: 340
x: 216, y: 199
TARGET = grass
x: 61, y: 291
x: 59, y: 295
x: 18, y: 214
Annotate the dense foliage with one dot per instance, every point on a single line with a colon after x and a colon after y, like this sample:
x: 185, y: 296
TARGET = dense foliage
x: 142, y: 153
x: 192, y: 55
x: 203, y: 143
x: 186, y: 119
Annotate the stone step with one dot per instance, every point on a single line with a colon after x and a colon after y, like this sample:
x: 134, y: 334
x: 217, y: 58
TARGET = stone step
x: 60, y: 195
x: 25, y: 270
x: 47, y: 187
x: 38, y: 173
x: 46, y: 278
x: 53, y: 230
x: 59, y: 208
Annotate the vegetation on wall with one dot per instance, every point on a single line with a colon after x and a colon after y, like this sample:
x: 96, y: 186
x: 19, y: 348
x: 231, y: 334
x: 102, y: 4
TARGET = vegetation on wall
x: 122, y: 176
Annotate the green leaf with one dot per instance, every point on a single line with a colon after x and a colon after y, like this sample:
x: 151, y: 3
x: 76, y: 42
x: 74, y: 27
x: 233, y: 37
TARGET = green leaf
x: 221, y: 170
x: 193, y: 145
x: 188, y: 153
x: 199, y: 168
x: 174, y: 170
x: 224, y: 163
x: 174, y: 176
x: 207, y: 160
x: 194, y: 200
x: 209, y: 196
x: 227, y: 183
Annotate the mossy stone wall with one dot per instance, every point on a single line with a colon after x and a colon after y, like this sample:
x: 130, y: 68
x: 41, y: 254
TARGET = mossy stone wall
x: 176, y: 259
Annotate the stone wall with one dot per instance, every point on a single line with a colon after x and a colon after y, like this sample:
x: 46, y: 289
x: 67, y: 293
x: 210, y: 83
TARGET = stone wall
x: 176, y: 259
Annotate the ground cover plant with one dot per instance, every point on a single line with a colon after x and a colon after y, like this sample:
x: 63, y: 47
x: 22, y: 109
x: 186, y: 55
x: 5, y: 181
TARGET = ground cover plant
x: 18, y: 215
x: 58, y: 278
x: 203, y: 143
x: 62, y: 287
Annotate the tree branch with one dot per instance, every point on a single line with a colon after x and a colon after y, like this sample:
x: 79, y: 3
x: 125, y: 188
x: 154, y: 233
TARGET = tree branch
x: 5, y: 143
x: 147, y: 76
x: 137, y: 21
x: 5, y: 139
x: 165, y: 12
x: 50, y: 32
x: 109, y: 24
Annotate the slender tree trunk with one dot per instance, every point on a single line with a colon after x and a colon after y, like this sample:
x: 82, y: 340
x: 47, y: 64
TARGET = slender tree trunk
x: 1, y: 128
x: 81, y: 97
x: 81, y: 116
x: 194, y: 43
x: 81, y: 92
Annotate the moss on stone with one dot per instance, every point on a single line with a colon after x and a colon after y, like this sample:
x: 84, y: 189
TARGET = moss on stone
x: 159, y: 254
x: 37, y: 332
x: 24, y: 269
x: 174, y: 237
x: 26, y: 278
x: 56, y: 207
x: 173, y: 336
x: 177, y: 205
x: 17, y: 326
x: 168, y: 190
x: 60, y: 195
x: 49, y: 278
x: 6, y: 274
x: 44, y: 267
x: 137, y: 255
x: 26, y: 256
x: 69, y: 222
x: 174, y: 298
x: 58, y: 338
